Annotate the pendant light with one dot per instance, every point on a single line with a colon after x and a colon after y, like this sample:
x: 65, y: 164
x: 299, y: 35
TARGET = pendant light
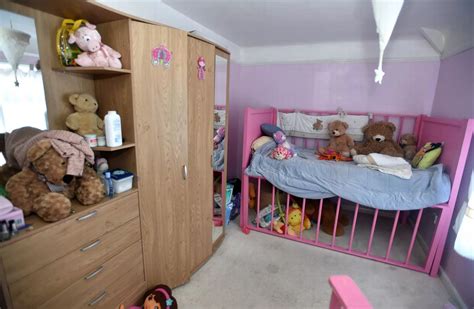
x: 13, y: 44
x: 386, y: 14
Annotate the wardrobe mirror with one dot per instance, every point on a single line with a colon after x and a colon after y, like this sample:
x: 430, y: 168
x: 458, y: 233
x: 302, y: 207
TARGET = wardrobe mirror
x: 20, y: 75
x: 219, y: 153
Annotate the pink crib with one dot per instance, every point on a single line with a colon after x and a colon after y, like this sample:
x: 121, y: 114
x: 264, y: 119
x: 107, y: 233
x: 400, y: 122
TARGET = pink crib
x: 424, y: 230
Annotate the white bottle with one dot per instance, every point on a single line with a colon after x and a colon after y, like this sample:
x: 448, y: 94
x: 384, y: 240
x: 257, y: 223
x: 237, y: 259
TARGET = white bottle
x: 113, y: 129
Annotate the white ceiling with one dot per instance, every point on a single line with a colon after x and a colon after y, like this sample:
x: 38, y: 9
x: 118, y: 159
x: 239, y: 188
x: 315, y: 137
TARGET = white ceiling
x: 252, y: 23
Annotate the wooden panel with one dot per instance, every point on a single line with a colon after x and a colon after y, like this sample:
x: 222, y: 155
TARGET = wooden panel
x: 34, y: 289
x: 31, y: 253
x: 100, y: 71
x: 160, y: 106
x: 110, y: 271
x: 200, y: 147
x: 116, y: 34
x: 57, y: 86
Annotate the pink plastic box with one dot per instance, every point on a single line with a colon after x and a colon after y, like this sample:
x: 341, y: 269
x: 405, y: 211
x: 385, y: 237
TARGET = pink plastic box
x: 16, y: 214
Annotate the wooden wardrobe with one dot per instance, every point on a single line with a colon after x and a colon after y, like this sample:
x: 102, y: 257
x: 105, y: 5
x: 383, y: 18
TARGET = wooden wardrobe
x: 160, y: 231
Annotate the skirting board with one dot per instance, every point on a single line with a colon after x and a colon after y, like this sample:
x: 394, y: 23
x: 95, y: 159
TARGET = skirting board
x: 443, y: 276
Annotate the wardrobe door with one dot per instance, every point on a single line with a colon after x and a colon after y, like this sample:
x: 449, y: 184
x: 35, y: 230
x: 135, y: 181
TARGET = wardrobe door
x: 160, y: 95
x: 200, y: 146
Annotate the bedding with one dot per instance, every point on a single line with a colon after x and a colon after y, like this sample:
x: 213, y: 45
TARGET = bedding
x: 307, y: 177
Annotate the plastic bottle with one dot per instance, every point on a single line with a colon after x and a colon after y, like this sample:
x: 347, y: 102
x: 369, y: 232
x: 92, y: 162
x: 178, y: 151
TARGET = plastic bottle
x: 113, y: 129
x: 109, y: 186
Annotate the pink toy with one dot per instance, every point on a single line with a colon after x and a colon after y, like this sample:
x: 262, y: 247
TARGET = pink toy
x: 95, y: 53
x: 219, y: 137
x: 281, y: 153
x: 346, y: 294
x: 280, y: 139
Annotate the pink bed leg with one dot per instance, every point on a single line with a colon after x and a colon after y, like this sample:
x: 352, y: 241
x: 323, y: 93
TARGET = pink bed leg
x: 413, y: 236
x: 318, y: 224
x: 258, y: 203
x: 335, y: 222
x: 302, y: 218
x: 372, y: 230
x: 354, y: 221
x: 392, y: 235
x: 346, y: 294
x: 273, y: 208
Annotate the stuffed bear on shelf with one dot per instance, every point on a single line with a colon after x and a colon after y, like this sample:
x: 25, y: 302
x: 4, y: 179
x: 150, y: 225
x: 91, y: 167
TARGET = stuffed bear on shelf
x: 378, y: 138
x: 54, y: 172
x: 84, y: 120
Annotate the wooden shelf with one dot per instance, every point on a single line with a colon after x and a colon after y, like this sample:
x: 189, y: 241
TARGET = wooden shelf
x: 37, y: 224
x: 105, y: 148
x: 92, y: 70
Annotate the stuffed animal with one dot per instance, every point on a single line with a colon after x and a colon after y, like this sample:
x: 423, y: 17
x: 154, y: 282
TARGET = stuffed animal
x: 160, y: 297
x: 84, y: 120
x: 378, y: 138
x: 339, y: 141
x: 219, y: 137
x: 45, y: 189
x: 284, y: 149
x: 408, y: 144
x: 95, y: 53
x: 328, y: 216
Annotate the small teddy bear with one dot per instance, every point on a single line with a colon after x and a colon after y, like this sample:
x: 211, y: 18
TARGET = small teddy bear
x: 339, y: 141
x: 45, y: 188
x: 378, y: 138
x: 408, y: 144
x: 95, y: 53
x: 84, y: 120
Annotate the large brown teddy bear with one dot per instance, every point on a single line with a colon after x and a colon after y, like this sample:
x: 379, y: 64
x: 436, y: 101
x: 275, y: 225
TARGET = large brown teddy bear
x: 32, y: 188
x: 378, y: 138
x: 84, y: 120
x: 339, y: 141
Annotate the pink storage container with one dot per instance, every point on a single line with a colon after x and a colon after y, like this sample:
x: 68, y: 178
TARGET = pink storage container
x: 16, y: 214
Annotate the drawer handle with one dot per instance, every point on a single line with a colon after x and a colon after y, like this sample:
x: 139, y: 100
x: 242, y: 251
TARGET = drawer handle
x: 185, y: 172
x: 89, y: 215
x: 98, y: 299
x: 94, y: 273
x: 92, y: 245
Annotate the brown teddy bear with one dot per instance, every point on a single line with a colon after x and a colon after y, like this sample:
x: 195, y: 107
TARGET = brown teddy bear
x: 378, y: 138
x: 84, y: 120
x: 339, y: 141
x: 408, y: 144
x: 46, y: 190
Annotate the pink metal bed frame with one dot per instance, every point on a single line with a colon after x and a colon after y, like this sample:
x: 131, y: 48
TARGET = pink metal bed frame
x: 456, y: 135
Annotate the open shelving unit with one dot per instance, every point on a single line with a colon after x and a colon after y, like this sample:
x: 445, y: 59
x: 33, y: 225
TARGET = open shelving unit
x: 92, y: 70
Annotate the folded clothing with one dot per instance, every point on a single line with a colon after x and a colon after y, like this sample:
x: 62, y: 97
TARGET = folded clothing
x: 385, y: 164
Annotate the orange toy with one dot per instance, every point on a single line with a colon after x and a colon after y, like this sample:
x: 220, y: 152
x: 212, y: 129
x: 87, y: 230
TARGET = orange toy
x: 252, y: 195
x: 331, y: 155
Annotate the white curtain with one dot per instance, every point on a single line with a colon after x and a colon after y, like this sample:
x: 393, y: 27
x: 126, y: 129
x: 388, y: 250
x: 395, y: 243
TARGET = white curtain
x: 24, y: 105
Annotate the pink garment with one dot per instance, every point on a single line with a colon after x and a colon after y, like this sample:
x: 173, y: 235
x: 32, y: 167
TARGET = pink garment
x: 70, y: 146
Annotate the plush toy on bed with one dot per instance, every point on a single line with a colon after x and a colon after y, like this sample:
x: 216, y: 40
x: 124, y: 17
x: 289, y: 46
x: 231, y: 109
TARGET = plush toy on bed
x: 339, y: 141
x: 284, y: 149
x: 95, y: 53
x: 378, y: 138
x: 408, y: 144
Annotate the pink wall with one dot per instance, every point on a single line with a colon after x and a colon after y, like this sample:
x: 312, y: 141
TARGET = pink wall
x: 408, y: 87
x: 455, y: 98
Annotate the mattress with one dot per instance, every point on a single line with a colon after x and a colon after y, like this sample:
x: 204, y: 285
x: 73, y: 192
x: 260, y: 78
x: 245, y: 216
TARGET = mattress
x: 307, y: 177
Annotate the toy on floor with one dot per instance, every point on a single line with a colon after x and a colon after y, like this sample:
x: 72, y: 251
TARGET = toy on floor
x: 295, y: 216
x: 408, y: 144
x: 47, y: 186
x: 339, y: 142
x: 84, y: 120
x: 328, y: 216
x: 95, y: 53
x: 252, y: 195
x: 160, y: 297
x: 378, y: 138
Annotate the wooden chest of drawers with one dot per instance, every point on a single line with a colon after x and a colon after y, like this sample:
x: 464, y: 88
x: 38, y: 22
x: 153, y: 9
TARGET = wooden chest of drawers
x: 92, y: 259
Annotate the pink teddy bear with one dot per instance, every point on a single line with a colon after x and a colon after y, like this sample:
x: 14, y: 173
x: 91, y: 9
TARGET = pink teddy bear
x: 95, y: 53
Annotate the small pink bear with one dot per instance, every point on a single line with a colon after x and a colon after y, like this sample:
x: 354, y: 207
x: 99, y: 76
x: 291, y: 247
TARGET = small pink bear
x: 95, y: 53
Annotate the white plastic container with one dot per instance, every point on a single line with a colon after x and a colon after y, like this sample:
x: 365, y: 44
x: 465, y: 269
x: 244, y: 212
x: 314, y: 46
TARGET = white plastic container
x: 113, y: 129
x: 122, y: 180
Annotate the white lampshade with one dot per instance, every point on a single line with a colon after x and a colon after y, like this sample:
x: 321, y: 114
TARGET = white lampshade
x: 386, y: 14
x: 13, y: 44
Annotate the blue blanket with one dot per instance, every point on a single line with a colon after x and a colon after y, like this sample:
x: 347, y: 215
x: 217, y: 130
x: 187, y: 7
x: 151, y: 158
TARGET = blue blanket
x: 218, y: 157
x: 307, y: 177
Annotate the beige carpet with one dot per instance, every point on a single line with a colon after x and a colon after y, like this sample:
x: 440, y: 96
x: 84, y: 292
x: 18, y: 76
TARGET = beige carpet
x: 262, y: 271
